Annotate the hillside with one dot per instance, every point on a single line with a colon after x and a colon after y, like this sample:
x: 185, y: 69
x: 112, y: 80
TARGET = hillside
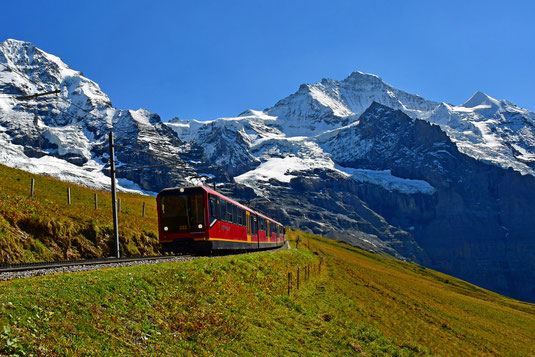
x: 48, y: 228
x: 359, y: 303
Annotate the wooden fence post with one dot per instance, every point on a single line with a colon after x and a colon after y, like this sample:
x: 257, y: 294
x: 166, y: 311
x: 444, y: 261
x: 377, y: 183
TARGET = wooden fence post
x: 68, y: 195
x: 297, y: 278
x: 33, y: 187
x: 289, y: 282
x: 96, y: 201
x: 143, y: 215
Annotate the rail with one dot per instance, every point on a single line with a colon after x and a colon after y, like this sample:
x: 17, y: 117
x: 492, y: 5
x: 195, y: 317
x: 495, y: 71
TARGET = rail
x: 18, y: 267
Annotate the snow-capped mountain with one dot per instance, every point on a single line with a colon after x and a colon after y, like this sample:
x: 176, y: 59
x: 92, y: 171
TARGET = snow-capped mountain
x: 450, y: 187
x: 65, y: 134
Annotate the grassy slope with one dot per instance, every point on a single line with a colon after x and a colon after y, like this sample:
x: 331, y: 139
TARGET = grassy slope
x: 47, y: 228
x: 359, y: 303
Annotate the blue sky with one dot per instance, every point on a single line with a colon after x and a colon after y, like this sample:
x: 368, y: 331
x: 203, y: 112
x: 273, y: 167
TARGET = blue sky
x: 208, y: 59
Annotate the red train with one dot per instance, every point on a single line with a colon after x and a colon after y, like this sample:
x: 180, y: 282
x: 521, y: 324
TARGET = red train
x: 199, y: 219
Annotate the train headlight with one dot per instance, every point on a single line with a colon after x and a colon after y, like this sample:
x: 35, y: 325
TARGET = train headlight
x: 181, y: 190
x: 166, y: 228
x: 200, y: 226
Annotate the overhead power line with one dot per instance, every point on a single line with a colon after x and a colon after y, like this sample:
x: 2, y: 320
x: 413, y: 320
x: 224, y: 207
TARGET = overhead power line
x: 26, y: 97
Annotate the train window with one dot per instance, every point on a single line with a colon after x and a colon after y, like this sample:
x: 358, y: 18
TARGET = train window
x: 234, y: 214
x: 212, y: 207
x: 182, y: 213
x: 223, y: 205
x: 229, y: 212
x: 240, y: 217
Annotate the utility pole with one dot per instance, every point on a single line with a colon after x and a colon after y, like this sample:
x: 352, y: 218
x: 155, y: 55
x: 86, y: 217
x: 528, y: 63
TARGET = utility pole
x: 114, y: 197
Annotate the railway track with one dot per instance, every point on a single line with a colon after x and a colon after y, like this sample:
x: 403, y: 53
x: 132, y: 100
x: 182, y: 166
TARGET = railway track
x: 23, y: 270
x: 14, y: 271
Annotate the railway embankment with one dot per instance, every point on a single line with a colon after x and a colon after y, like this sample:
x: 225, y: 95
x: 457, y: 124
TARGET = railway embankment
x: 64, y: 221
x: 348, y: 302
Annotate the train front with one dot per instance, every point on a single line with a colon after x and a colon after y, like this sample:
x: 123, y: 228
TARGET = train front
x: 182, y: 217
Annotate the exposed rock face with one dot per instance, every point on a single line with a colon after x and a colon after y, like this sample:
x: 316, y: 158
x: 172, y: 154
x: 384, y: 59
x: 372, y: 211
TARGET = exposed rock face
x: 474, y: 226
x: 328, y: 159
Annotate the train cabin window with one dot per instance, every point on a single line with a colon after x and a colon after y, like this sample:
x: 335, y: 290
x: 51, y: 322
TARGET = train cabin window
x: 235, y: 214
x: 212, y: 205
x: 223, y: 205
x: 229, y: 212
x: 240, y: 217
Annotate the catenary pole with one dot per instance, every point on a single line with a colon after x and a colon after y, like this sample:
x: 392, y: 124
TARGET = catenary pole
x: 114, y: 198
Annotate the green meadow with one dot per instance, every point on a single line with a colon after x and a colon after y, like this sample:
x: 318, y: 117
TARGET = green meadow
x: 354, y: 303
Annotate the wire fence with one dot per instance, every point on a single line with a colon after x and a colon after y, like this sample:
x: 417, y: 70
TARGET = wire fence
x: 70, y: 198
x: 303, y: 274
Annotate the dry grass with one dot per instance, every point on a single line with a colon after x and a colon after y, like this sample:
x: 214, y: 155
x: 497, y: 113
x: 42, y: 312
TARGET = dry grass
x: 48, y: 228
x: 415, y: 305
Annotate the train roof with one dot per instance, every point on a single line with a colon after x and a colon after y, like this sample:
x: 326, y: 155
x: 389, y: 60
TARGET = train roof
x: 215, y: 193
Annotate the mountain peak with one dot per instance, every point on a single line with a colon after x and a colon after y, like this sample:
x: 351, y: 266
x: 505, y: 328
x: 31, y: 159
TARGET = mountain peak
x: 479, y: 98
x: 359, y: 76
x: 12, y: 46
x: 13, y: 42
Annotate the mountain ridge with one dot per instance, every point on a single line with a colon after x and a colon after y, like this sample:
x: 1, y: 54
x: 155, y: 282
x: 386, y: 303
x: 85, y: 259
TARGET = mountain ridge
x: 313, y: 150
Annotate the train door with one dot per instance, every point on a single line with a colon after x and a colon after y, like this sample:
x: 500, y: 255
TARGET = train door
x: 212, y: 210
x: 248, y: 225
x: 268, y: 231
x: 255, y: 229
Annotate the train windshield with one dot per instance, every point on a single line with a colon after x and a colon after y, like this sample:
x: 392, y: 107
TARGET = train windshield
x: 182, y: 213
